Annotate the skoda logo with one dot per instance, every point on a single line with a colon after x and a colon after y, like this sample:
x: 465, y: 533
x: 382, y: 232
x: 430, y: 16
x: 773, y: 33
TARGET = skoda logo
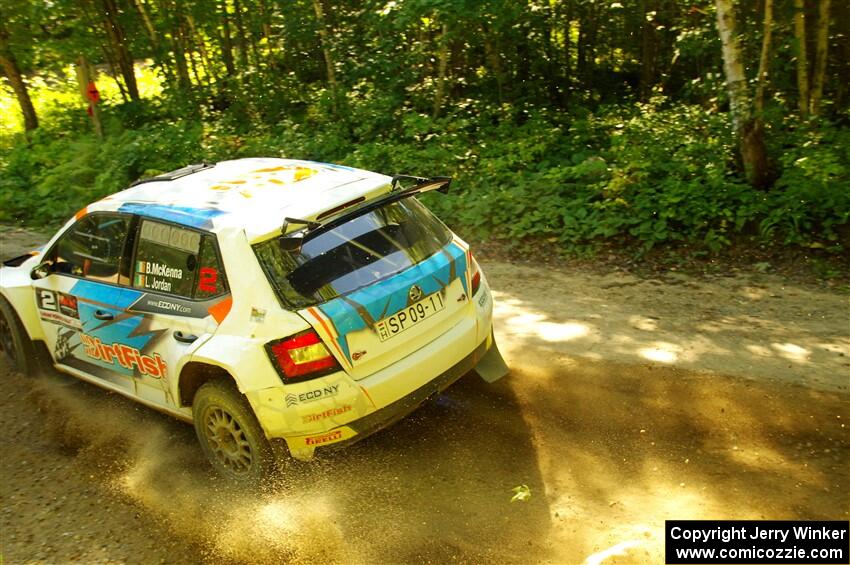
x: 415, y: 293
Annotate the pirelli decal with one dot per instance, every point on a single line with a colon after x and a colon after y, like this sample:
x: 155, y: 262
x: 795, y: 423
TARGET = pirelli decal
x: 341, y: 433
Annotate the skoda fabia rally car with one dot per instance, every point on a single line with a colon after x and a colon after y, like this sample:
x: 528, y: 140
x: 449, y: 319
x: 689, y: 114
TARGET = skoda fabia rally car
x: 270, y: 302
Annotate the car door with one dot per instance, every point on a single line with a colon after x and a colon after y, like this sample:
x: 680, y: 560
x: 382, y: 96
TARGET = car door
x: 82, y: 303
x: 178, y: 271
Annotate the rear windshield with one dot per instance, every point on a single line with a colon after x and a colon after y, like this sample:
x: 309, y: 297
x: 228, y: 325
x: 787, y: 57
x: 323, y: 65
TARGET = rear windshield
x: 353, y: 255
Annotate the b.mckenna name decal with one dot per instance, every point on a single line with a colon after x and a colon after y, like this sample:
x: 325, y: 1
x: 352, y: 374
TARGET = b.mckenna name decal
x: 148, y: 271
x: 158, y: 269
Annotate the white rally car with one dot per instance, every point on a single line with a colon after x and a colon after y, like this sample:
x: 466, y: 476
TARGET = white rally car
x: 264, y: 300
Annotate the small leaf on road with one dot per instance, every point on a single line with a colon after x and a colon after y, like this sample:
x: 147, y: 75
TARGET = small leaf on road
x: 521, y: 493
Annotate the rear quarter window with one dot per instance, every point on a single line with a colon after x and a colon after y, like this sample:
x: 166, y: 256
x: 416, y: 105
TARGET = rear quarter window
x: 179, y: 261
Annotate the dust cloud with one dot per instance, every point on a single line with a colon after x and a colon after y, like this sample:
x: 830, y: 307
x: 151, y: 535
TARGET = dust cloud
x: 158, y: 467
x: 416, y: 492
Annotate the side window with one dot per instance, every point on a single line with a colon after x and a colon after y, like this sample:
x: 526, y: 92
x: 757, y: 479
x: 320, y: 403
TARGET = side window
x: 211, y: 279
x: 166, y: 258
x: 93, y: 248
x: 177, y: 261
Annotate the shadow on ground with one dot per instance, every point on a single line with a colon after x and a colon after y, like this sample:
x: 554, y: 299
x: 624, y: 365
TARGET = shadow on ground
x: 624, y: 447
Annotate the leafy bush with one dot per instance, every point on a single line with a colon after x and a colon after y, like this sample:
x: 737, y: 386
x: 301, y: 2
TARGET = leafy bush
x: 643, y: 175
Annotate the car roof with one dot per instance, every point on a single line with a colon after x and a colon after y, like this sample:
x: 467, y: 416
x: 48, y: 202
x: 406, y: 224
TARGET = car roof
x: 254, y: 194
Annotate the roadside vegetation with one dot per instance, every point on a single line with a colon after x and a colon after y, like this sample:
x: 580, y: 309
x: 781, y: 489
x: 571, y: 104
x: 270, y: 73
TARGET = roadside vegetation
x: 573, y: 123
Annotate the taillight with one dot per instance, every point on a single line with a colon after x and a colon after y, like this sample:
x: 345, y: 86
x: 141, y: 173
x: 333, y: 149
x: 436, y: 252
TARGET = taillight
x: 302, y: 357
x: 476, y: 276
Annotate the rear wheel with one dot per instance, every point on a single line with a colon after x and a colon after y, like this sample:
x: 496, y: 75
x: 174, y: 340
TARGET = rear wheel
x: 230, y: 435
x: 15, y: 344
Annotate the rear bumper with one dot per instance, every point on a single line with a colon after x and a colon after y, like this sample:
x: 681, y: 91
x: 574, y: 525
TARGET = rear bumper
x: 361, y: 428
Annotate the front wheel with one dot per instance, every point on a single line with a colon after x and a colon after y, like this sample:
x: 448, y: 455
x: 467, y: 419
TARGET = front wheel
x: 230, y: 435
x: 14, y: 341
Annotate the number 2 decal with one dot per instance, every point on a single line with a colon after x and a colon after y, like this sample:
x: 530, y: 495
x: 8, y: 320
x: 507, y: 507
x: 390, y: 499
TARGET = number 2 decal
x: 46, y: 299
x: 208, y: 279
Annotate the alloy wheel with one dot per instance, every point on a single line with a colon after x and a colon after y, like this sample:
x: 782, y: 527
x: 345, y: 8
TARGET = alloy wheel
x: 228, y: 442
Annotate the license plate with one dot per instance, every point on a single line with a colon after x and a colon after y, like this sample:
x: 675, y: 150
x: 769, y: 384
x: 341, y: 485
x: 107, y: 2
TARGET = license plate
x: 410, y: 316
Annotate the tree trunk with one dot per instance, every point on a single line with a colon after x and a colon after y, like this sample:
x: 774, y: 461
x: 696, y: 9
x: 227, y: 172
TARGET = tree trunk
x: 241, y: 41
x: 494, y: 61
x: 116, y: 36
x: 841, y: 12
x: 198, y: 40
x: 581, y: 52
x: 802, y: 57
x: 146, y: 20
x: 226, y: 41
x: 16, y: 81
x: 592, y: 36
x: 568, y: 55
x: 160, y: 60
x: 85, y: 75
x: 325, y: 39
x: 94, y: 23
x: 820, y: 57
x: 179, y: 45
x: 265, y: 18
x: 648, y: 49
x: 748, y: 131
x: 442, y: 66
x: 764, y: 59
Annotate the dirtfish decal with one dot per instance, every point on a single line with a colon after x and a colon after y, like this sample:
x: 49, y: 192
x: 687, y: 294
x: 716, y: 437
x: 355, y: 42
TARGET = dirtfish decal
x: 126, y: 356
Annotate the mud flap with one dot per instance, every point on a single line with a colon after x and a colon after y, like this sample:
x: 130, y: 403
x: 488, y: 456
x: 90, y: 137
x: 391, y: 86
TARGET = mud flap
x: 492, y: 367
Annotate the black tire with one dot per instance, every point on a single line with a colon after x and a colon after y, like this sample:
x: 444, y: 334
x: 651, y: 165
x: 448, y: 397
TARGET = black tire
x: 230, y: 435
x: 15, y: 343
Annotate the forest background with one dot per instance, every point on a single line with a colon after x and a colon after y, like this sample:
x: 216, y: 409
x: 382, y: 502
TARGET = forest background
x: 582, y: 125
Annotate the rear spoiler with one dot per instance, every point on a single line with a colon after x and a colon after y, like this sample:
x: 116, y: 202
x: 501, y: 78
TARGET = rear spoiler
x: 360, y: 206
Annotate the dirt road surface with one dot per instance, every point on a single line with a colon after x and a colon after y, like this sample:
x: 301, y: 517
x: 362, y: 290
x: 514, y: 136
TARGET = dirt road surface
x: 630, y: 401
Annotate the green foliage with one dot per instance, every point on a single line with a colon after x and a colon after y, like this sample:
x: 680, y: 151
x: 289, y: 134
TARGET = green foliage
x: 642, y: 175
x: 811, y: 200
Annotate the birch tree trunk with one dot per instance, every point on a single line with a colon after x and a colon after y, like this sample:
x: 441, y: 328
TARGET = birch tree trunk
x: 748, y: 131
x: 764, y: 59
x: 802, y: 57
x: 13, y: 73
x: 820, y: 57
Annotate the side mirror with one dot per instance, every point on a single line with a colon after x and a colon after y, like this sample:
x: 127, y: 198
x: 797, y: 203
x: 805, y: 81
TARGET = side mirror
x: 41, y: 271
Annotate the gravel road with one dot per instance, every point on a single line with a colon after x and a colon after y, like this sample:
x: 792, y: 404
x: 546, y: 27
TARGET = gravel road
x: 630, y: 401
